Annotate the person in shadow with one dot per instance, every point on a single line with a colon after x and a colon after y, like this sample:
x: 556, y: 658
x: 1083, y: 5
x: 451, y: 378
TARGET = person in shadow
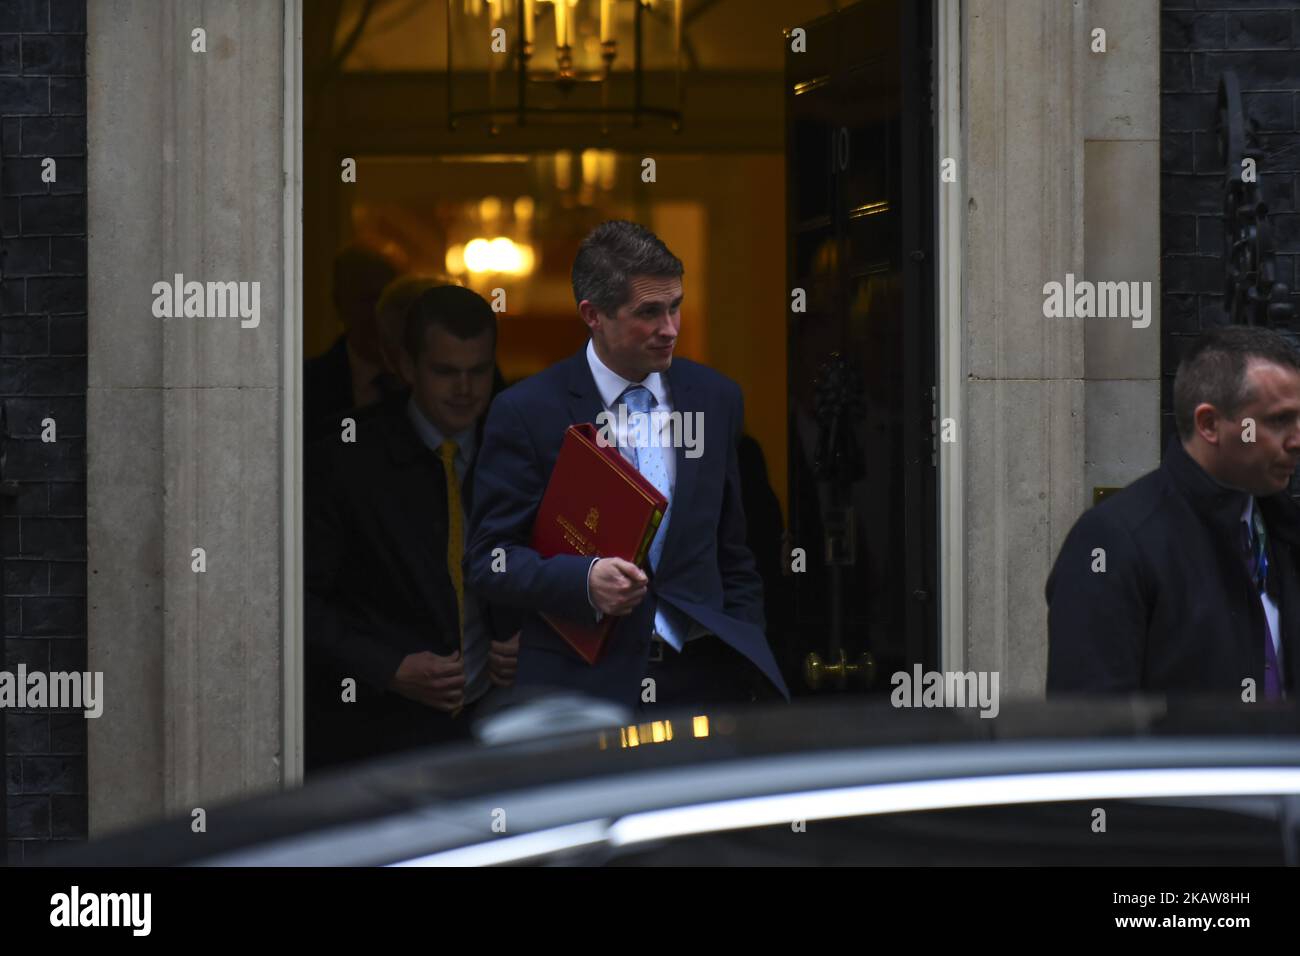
x: 397, y: 655
x: 351, y: 372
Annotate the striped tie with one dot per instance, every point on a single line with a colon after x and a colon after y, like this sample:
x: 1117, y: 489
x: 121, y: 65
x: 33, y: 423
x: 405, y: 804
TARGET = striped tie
x: 648, y: 457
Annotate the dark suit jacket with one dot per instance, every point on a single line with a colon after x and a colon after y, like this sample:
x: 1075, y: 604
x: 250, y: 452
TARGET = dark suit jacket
x: 1175, y: 610
x: 326, y: 389
x: 377, y: 587
x: 706, y: 570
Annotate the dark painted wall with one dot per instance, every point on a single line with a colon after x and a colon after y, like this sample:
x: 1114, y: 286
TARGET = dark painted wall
x: 1260, y: 40
x: 43, y: 374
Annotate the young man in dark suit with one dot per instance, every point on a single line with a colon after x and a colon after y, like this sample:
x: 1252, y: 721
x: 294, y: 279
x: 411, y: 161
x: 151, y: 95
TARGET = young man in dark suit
x: 692, y: 629
x: 1188, y: 580
x: 386, y: 606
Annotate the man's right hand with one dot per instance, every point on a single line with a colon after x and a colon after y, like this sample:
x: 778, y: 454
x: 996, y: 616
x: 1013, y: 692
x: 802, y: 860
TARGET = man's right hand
x: 437, y: 682
x: 616, y: 586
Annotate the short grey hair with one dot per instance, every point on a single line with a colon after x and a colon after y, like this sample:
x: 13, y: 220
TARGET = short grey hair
x: 610, y: 255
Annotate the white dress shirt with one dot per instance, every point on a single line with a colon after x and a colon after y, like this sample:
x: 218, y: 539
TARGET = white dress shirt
x: 476, y: 644
x: 611, y: 386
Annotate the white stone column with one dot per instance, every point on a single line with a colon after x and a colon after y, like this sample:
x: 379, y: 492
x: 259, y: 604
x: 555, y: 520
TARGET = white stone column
x: 1024, y: 438
x: 1061, y: 165
x: 186, y: 175
x: 1122, y: 240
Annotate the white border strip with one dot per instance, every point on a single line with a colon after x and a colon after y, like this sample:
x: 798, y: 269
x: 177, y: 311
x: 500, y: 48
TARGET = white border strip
x: 291, y: 599
x: 949, y: 239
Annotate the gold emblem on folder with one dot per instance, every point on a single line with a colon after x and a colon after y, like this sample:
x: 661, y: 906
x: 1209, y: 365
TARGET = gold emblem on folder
x: 592, y: 517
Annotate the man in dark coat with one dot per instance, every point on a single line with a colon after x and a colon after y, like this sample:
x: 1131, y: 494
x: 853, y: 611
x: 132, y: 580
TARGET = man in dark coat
x: 1188, y: 580
x: 397, y: 655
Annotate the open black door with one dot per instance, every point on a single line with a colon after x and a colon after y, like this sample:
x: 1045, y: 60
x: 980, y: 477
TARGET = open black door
x: 861, y: 180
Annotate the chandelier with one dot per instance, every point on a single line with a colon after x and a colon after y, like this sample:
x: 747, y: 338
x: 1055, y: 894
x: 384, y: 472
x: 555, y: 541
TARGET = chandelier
x: 602, y: 62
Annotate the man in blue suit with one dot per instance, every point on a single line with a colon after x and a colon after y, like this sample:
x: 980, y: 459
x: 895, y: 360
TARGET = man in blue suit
x: 692, y: 630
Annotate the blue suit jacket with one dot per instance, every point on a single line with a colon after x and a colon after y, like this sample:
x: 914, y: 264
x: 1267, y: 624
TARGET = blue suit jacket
x: 706, y: 570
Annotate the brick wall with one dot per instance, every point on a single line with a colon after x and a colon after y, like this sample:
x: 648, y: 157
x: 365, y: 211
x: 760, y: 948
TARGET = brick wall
x: 43, y: 374
x: 1260, y: 40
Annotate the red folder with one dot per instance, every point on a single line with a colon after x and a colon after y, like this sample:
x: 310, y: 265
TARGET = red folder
x: 597, y: 504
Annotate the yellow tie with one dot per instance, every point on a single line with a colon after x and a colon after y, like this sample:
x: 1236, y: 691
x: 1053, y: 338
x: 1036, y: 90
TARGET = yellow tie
x: 455, y: 533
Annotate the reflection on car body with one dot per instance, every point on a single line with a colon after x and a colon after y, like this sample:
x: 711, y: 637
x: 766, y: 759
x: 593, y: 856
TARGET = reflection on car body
x: 1069, y: 782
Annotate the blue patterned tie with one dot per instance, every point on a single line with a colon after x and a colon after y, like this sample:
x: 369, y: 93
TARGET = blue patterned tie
x: 649, y: 460
x: 1255, y: 542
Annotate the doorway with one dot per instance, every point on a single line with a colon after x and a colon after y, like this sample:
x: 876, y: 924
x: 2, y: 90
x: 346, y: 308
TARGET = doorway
x: 851, y: 478
x: 861, y: 348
